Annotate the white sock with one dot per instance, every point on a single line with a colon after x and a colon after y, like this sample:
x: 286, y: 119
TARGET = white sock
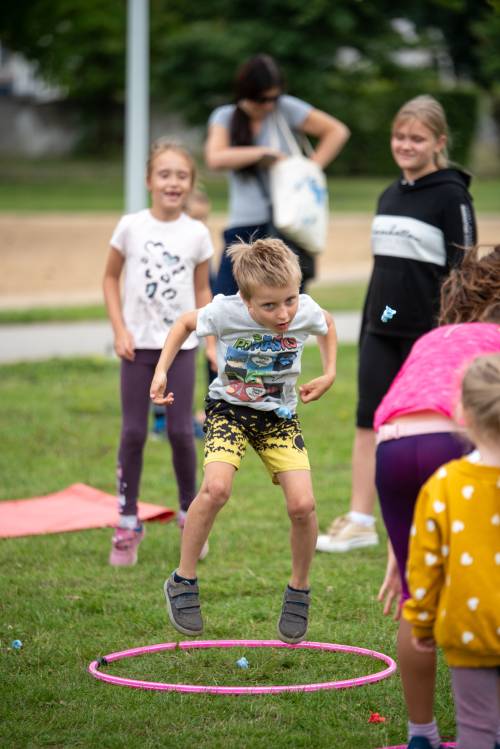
x: 362, y: 518
x: 128, y: 521
x: 429, y: 730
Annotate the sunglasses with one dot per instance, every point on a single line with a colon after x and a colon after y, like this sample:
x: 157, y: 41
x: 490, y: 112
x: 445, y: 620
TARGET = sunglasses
x: 266, y: 99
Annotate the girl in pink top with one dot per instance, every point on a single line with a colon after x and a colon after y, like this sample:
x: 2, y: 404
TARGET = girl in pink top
x: 416, y: 434
x: 424, y: 383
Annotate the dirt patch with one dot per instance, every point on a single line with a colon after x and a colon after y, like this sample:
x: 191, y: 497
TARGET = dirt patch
x: 58, y: 259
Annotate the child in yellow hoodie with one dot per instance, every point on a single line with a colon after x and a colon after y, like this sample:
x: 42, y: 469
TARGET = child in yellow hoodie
x: 454, y: 563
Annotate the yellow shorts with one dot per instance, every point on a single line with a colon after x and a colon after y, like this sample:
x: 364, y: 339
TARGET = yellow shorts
x: 278, y: 442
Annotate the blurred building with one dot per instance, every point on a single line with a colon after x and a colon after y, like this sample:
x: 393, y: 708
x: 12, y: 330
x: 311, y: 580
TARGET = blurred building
x: 34, y: 118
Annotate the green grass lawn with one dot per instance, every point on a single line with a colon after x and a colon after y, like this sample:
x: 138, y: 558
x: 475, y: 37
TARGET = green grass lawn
x: 59, y: 596
x: 336, y: 297
x: 89, y: 185
x: 52, y: 314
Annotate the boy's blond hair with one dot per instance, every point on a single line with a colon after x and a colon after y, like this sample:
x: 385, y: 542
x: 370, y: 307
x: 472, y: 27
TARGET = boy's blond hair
x: 265, y: 262
x: 481, y: 396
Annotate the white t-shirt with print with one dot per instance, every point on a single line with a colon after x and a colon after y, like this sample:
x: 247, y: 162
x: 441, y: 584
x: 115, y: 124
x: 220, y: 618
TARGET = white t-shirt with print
x: 257, y: 367
x: 160, y: 260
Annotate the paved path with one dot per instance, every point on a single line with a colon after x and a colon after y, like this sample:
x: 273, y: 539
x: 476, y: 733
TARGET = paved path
x: 39, y: 341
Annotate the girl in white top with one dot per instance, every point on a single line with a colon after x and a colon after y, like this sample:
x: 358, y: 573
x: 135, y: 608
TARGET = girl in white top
x: 165, y: 254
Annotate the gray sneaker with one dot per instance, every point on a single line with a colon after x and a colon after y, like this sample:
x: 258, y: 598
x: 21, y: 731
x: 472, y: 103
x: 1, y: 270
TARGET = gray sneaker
x: 183, y: 606
x: 292, y: 625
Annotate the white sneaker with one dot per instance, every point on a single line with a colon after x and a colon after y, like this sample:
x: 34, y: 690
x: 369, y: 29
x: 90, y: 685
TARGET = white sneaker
x: 344, y: 535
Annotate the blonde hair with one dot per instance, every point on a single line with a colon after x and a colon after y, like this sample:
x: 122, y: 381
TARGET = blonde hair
x: 265, y: 262
x: 427, y: 110
x: 471, y: 291
x: 481, y: 396
x: 160, y: 145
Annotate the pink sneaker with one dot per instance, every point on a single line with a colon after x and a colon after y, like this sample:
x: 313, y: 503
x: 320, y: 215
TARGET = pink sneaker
x: 124, y: 545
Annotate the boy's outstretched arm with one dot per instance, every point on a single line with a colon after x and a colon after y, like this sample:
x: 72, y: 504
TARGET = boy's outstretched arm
x: 327, y: 343
x: 179, y: 332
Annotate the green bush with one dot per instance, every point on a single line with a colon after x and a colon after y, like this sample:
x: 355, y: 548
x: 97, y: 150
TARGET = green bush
x: 369, y: 110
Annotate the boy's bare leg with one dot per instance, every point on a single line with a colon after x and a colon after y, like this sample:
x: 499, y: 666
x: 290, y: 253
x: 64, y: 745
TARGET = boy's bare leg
x: 297, y: 487
x: 213, y: 495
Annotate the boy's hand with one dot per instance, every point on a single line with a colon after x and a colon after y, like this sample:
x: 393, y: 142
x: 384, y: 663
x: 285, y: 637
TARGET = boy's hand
x: 157, y: 391
x: 424, y: 644
x: 314, y: 389
x: 124, y: 345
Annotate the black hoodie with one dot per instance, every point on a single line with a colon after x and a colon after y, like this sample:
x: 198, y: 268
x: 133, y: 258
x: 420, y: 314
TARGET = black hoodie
x: 418, y: 234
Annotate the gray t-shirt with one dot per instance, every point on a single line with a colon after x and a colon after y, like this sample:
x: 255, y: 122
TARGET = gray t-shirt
x: 255, y: 366
x: 248, y: 206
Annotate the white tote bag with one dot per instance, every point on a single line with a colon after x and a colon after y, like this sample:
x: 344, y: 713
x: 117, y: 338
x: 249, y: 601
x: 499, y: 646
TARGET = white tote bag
x: 299, y: 194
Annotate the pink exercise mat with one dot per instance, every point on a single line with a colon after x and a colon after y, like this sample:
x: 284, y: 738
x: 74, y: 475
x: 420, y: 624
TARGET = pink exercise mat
x: 75, y: 508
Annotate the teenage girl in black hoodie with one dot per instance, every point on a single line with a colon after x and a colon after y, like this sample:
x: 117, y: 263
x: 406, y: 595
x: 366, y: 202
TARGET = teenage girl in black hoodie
x: 423, y: 221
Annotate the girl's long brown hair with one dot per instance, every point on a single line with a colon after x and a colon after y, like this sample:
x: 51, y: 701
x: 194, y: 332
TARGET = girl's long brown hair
x: 256, y: 75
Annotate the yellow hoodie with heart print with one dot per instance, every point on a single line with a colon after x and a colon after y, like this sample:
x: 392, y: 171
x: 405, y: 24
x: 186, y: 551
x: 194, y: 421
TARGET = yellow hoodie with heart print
x: 454, y: 563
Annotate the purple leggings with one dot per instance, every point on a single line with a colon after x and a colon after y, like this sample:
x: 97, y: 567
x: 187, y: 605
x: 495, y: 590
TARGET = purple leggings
x: 477, y: 705
x: 402, y: 467
x: 136, y: 379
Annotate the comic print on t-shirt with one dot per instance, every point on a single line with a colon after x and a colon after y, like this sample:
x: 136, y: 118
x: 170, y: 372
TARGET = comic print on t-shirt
x: 253, y: 365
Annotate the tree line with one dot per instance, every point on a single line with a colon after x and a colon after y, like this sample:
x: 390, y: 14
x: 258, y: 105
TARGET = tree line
x: 344, y: 56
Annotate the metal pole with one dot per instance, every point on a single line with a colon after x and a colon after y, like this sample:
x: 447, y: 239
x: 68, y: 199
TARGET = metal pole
x: 137, y: 104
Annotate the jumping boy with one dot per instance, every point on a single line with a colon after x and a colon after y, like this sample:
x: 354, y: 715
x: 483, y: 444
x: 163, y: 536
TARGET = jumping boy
x: 260, y: 333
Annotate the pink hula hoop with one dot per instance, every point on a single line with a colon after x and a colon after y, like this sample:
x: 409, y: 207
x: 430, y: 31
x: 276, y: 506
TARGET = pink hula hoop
x: 205, y: 689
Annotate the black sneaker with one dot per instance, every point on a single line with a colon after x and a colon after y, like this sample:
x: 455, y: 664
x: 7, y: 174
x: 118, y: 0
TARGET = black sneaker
x: 292, y: 625
x: 183, y: 606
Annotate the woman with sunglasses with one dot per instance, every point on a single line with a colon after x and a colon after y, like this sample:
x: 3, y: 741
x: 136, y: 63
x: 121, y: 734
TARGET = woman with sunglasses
x: 241, y: 140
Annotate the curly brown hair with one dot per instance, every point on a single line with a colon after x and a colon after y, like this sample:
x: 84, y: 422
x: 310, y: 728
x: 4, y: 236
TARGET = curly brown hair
x: 471, y: 292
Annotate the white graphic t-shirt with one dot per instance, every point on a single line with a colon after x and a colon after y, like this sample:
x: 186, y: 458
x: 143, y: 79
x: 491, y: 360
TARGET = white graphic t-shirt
x: 257, y: 367
x: 161, y: 257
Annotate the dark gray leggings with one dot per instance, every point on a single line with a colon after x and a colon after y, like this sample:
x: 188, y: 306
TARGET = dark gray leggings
x: 477, y: 705
x: 136, y: 379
